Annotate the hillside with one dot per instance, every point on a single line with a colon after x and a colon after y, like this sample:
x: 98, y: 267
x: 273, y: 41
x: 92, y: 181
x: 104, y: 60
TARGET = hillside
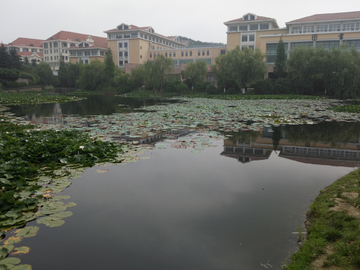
x: 197, y: 43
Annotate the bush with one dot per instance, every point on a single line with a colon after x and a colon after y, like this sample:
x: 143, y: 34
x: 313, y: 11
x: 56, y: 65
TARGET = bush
x: 170, y: 86
x: 49, y: 88
x: 11, y: 85
x: 232, y: 91
x: 302, y: 86
x: 182, y: 88
x: 263, y: 87
x: 283, y: 86
x: 211, y: 89
x: 9, y: 74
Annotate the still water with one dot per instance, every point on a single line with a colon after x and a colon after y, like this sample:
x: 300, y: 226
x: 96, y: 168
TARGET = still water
x: 234, y: 205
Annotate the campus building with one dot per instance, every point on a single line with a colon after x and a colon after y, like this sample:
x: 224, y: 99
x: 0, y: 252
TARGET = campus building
x: 28, y: 48
x: 326, y: 30
x: 132, y: 45
x: 80, y: 47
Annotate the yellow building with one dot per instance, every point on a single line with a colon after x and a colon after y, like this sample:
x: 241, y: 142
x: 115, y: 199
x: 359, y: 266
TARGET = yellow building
x: 327, y: 30
x: 132, y: 45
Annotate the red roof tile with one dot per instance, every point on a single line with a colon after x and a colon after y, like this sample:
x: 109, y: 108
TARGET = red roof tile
x: 329, y: 17
x: 29, y: 53
x: 27, y: 41
x: 66, y: 35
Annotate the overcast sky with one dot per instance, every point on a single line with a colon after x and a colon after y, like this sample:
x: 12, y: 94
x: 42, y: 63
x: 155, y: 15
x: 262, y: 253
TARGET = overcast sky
x: 199, y: 20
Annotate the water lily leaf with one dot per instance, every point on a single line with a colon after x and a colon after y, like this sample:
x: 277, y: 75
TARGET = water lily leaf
x: 12, y: 240
x: 21, y: 250
x: 144, y: 157
x: 102, y: 171
x: 63, y: 185
x: 28, y: 231
x: 55, y: 223
x: 22, y: 267
x: 70, y: 204
x: 59, y: 198
x: 11, y: 260
x: 63, y: 214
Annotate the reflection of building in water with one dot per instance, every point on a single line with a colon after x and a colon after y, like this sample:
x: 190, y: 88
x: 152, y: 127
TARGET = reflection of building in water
x: 55, y: 118
x: 347, y: 155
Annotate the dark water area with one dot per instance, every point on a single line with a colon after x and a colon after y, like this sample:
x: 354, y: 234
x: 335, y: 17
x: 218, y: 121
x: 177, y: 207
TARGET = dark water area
x: 235, y: 205
x: 92, y: 105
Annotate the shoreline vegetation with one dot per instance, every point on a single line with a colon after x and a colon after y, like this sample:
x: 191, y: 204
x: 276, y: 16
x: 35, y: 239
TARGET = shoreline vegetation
x: 333, y: 227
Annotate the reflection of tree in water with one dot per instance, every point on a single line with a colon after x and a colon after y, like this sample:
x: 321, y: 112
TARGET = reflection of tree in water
x: 242, y: 137
x: 276, y: 137
x: 333, y: 133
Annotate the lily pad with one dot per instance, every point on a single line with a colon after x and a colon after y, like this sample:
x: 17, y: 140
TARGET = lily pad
x: 21, y: 250
x: 10, y: 260
x: 27, y: 231
x: 22, y: 267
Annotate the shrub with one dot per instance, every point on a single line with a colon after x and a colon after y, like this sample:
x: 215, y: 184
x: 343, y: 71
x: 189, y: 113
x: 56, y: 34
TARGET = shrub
x: 211, y: 89
x: 263, y: 87
x: 182, y: 88
x: 302, y: 86
x: 282, y: 86
x: 11, y: 85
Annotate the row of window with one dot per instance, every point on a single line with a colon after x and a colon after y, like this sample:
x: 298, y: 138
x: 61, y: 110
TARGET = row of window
x: 144, y: 36
x: 246, y: 38
x: 86, y: 53
x: 124, y: 54
x: 249, y: 27
x: 51, y: 58
x: 27, y: 50
x: 322, y: 152
x: 56, y: 44
x: 271, y: 48
x: 183, y: 53
x: 122, y: 63
x: 123, y: 45
x: 337, y: 27
x: 177, y: 62
x: 55, y: 51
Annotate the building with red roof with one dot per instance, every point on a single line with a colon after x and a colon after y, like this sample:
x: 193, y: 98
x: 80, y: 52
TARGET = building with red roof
x: 29, y: 48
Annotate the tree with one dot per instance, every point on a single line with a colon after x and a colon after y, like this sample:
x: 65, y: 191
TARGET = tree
x: 26, y: 61
x: 109, y: 66
x: 5, y: 61
x: 92, y: 75
x: 157, y: 72
x: 15, y: 59
x: 195, y: 72
x: 45, y: 73
x: 138, y: 76
x: 280, y: 60
x: 238, y: 67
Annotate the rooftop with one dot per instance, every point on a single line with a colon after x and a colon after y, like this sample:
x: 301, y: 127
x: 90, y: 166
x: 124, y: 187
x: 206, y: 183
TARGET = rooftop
x: 329, y: 17
x: 71, y: 36
x: 27, y: 42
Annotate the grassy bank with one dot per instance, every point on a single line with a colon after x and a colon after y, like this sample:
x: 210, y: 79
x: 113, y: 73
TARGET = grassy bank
x: 333, y: 228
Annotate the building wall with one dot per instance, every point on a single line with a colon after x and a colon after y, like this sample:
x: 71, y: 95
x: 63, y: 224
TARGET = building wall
x: 74, y: 60
x: 233, y: 40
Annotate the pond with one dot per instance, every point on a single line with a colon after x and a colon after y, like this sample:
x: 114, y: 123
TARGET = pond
x: 195, y: 199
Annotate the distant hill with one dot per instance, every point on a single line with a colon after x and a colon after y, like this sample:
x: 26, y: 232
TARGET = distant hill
x: 197, y: 43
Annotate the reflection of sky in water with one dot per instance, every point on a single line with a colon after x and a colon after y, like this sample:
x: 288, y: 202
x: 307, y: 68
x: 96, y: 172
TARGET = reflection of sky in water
x: 180, y: 210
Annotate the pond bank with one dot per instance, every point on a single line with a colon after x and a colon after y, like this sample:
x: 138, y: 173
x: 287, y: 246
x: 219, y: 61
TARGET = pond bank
x: 333, y: 228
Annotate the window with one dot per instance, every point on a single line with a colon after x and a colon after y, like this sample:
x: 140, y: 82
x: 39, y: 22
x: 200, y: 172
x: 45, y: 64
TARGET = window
x: 244, y: 38
x: 243, y: 28
x: 126, y: 35
x: 334, y: 27
x: 222, y: 51
x: 186, y: 53
x: 251, y: 37
x: 264, y: 26
x: 140, y: 56
x: 252, y: 17
x: 66, y: 58
x: 72, y: 53
x: 120, y: 45
x: 126, y: 62
x: 126, y: 54
x: 50, y: 51
x: 297, y: 44
x: 140, y: 47
x: 182, y: 54
x: 169, y: 54
x: 271, y: 52
x: 64, y: 45
x: 150, y: 55
x: 357, y: 26
x: 190, y: 53
x: 207, y: 52
x: 134, y: 35
x: 297, y: 29
x: 80, y: 53
x: 125, y: 44
x: 355, y: 43
x: 203, y: 52
x: 102, y: 53
x: 51, y: 58
x: 55, y: 44
x: 327, y: 44
x: 233, y: 28
x: 166, y: 54
x: 174, y: 54
x: 348, y: 27
x: 118, y: 36
x: 87, y: 53
x: 120, y: 54
x: 309, y: 29
x: 94, y: 52
x: 199, y: 53
x: 254, y: 26
x: 25, y: 49
x: 121, y: 63
x: 321, y: 28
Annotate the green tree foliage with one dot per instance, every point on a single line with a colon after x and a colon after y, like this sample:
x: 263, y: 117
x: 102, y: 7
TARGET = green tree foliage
x: 9, y: 74
x: 337, y: 70
x: 238, y: 67
x: 280, y: 60
x: 195, y: 72
x: 68, y: 74
x: 92, y: 76
x: 43, y: 70
x: 263, y: 87
x: 109, y: 66
x: 26, y: 61
x: 15, y: 59
x: 138, y: 76
x: 157, y: 72
x: 122, y: 81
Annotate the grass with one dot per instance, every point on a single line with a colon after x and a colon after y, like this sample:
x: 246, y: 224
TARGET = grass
x: 327, y: 228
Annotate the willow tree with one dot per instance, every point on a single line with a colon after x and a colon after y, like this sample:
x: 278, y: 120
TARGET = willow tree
x: 157, y: 72
x: 195, y: 72
x: 239, y: 67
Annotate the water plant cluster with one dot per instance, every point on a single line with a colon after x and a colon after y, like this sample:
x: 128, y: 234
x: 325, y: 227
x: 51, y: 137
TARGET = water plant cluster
x: 15, y: 98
